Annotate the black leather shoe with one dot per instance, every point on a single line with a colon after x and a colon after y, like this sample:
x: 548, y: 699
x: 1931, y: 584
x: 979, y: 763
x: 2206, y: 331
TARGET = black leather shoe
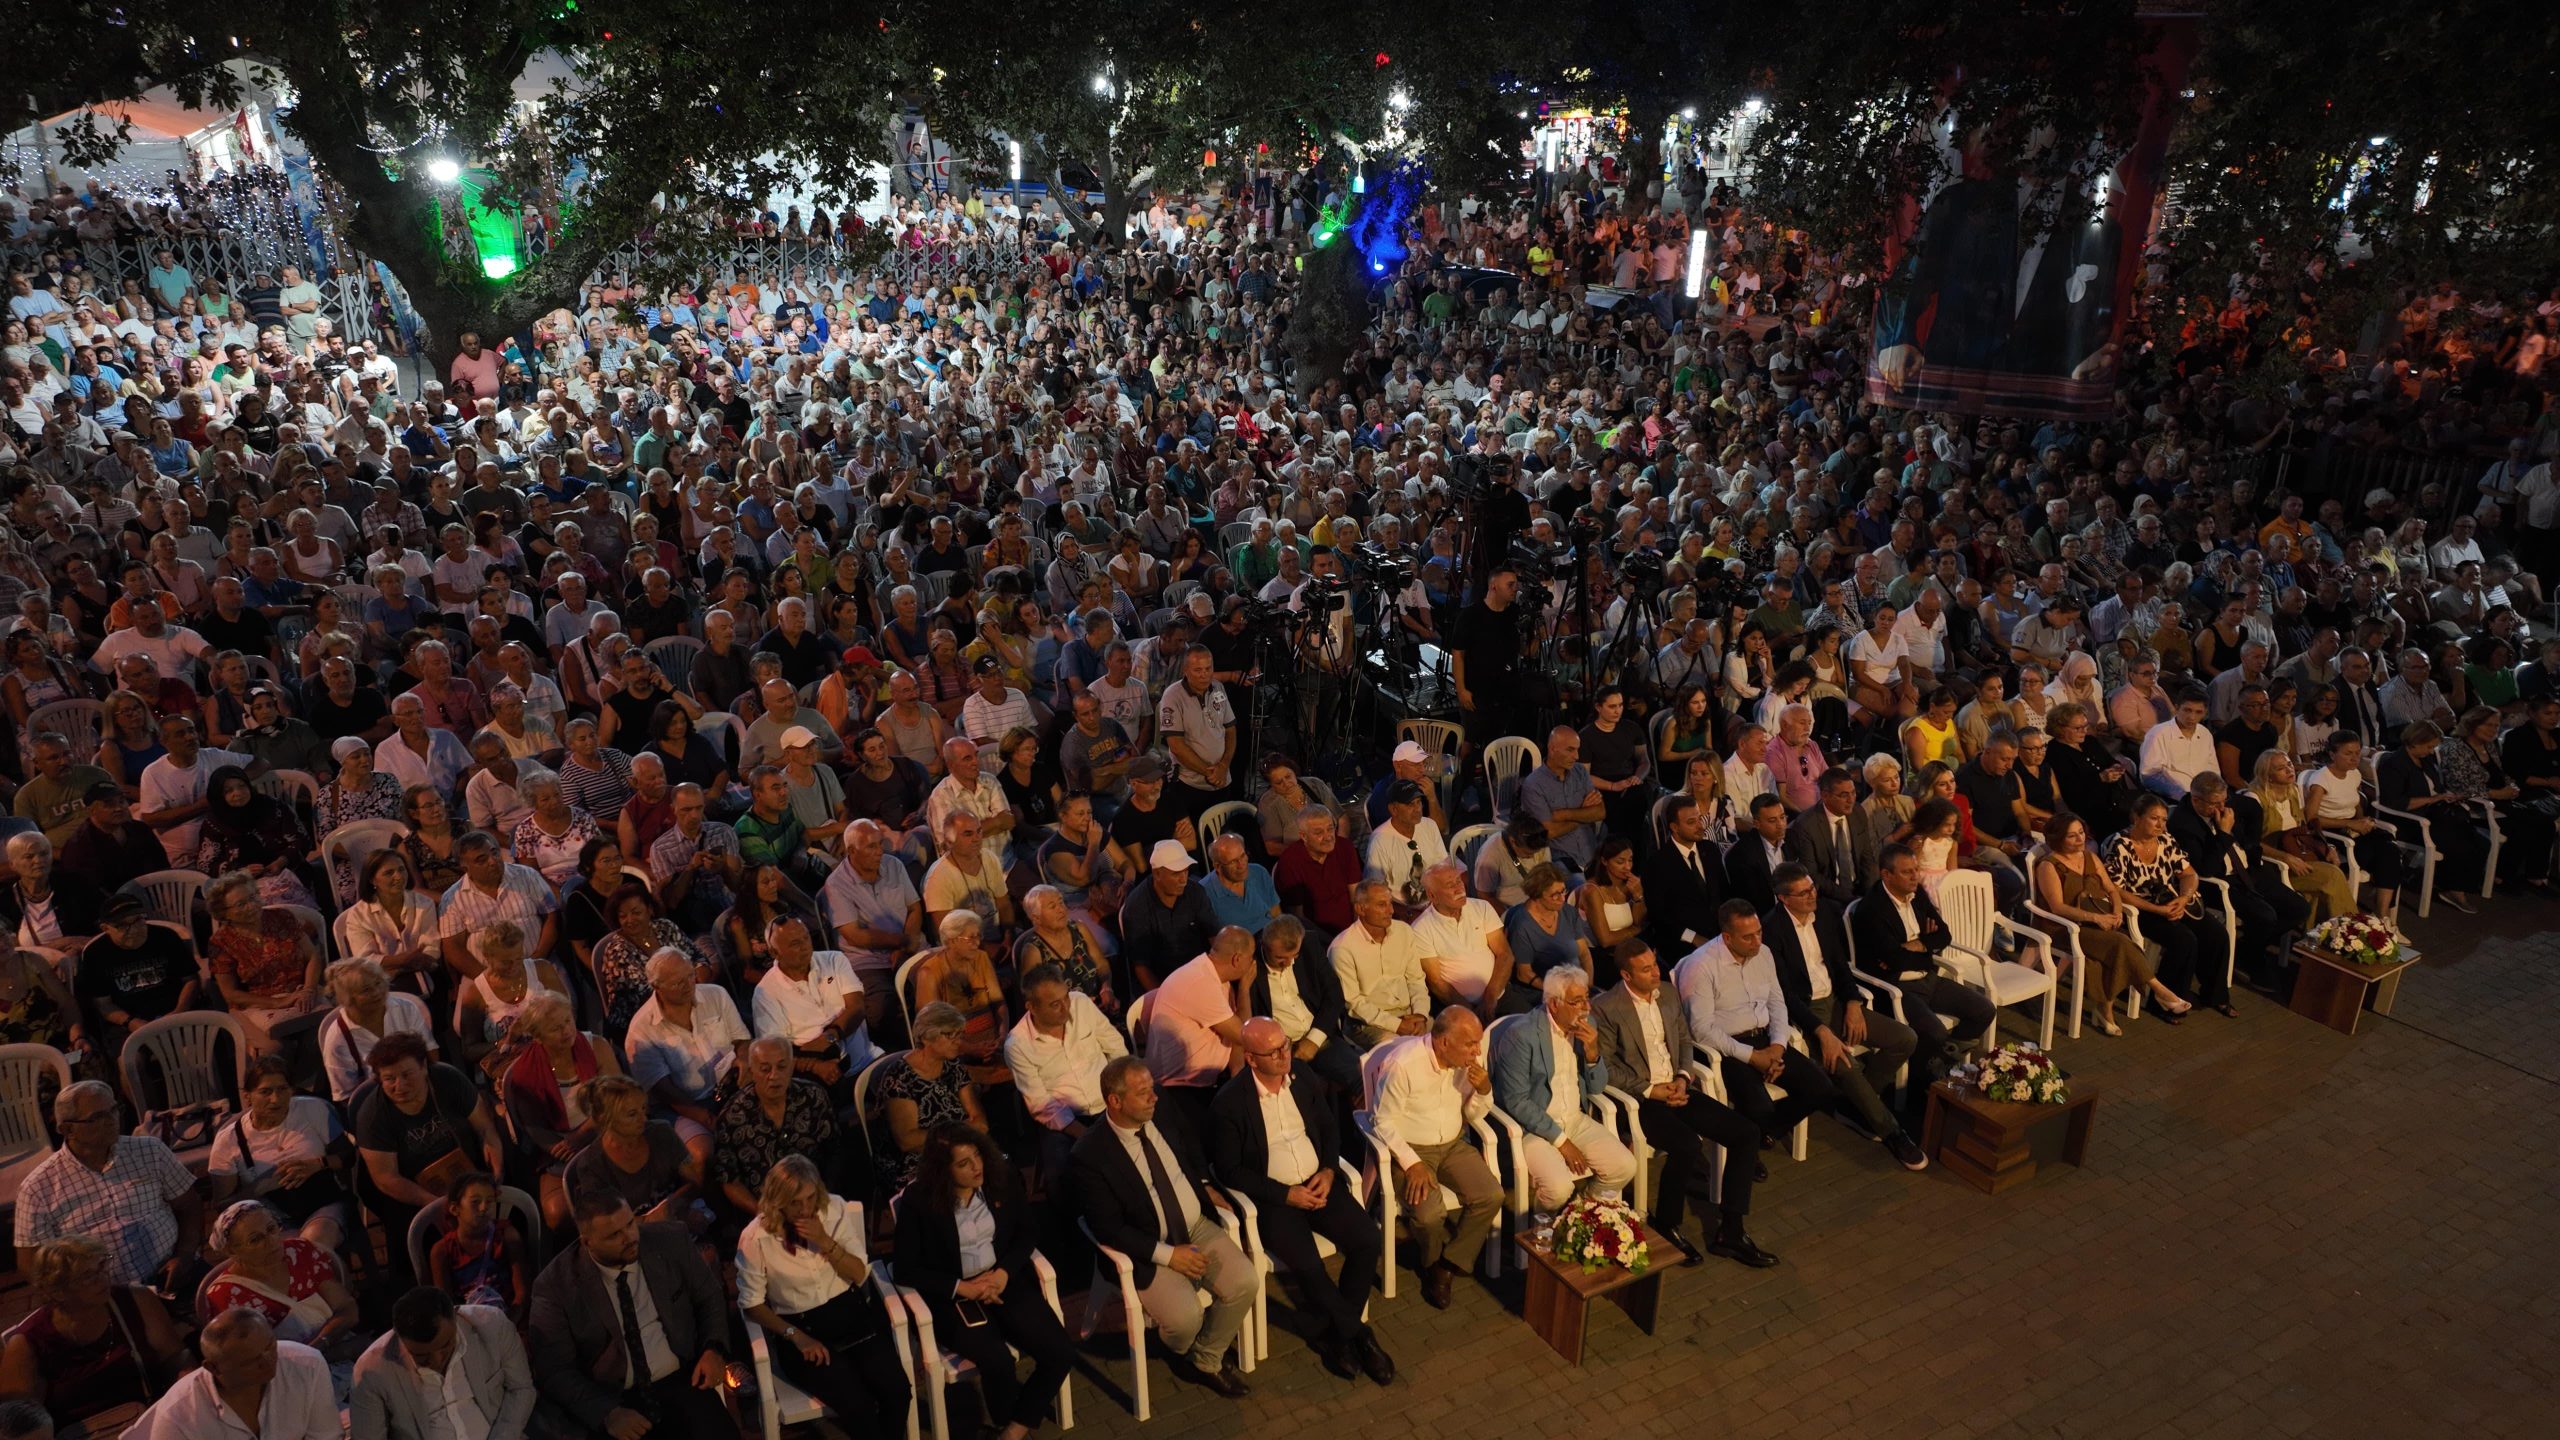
x: 1338, y: 1358
x: 1907, y: 1151
x: 1437, y: 1284
x: 1226, y: 1380
x: 1375, y: 1362
x: 1741, y: 1251
x: 1689, y: 1252
x: 1760, y: 1172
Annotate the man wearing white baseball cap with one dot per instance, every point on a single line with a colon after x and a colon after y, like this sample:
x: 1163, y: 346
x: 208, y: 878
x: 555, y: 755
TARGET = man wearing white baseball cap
x: 1163, y: 922
x: 1410, y: 762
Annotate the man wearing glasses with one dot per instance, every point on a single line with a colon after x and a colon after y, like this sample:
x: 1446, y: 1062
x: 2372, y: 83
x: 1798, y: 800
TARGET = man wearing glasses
x: 125, y: 1191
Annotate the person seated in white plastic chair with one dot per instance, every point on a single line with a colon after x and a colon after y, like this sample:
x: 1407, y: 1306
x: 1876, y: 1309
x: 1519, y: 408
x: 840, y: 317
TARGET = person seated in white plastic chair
x: 1545, y: 1067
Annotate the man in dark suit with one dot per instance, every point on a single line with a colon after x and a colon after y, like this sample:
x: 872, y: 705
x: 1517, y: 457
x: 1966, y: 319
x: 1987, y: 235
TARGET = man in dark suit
x: 627, y: 1328
x: 1809, y: 947
x: 2360, y: 702
x: 2207, y: 825
x: 1649, y: 1058
x: 1756, y: 853
x: 1291, y: 971
x: 1683, y: 882
x: 1841, y: 871
x: 1273, y: 1139
x: 1138, y: 1185
x: 1895, y: 934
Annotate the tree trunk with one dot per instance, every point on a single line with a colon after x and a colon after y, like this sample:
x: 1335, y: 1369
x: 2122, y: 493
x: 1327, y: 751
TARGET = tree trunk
x: 1332, y: 315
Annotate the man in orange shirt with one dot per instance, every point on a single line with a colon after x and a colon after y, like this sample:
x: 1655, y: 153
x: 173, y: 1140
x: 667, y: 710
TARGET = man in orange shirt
x: 2288, y: 523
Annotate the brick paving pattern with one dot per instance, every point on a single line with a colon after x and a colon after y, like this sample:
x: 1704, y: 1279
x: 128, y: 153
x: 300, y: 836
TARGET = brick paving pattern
x: 2282, y: 1231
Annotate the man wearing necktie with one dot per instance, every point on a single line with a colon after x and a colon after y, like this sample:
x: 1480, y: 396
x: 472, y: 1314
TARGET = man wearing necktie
x: 1136, y: 1182
x: 1835, y: 841
x: 627, y: 1327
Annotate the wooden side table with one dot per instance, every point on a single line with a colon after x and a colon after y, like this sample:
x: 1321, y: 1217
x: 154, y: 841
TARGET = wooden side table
x: 2336, y: 991
x: 1558, y: 1304
x: 1983, y: 1142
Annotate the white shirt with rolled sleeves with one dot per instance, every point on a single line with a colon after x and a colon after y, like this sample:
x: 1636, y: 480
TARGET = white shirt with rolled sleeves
x: 1381, y: 979
x: 1060, y: 1076
x: 795, y: 1279
x: 1463, y: 945
x: 1421, y: 1102
x: 169, y: 651
x: 166, y: 787
x: 300, y: 1404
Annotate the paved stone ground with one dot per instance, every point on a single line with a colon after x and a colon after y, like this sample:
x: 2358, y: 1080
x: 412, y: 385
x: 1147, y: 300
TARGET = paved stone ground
x: 2282, y: 1231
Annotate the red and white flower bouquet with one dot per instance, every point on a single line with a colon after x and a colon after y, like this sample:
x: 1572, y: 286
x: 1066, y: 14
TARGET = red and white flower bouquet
x: 2360, y: 939
x: 1595, y: 1233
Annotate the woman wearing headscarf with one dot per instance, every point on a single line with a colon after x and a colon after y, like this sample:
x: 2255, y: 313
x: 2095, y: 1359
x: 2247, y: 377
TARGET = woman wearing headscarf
x: 244, y: 830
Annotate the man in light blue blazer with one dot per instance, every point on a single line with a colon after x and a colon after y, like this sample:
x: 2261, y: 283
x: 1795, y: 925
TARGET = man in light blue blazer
x: 1545, y: 1066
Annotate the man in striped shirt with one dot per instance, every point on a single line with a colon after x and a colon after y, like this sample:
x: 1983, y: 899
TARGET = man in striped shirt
x: 490, y: 890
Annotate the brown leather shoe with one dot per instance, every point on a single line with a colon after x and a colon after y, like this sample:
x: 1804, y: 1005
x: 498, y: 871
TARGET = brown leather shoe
x: 1437, y: 1284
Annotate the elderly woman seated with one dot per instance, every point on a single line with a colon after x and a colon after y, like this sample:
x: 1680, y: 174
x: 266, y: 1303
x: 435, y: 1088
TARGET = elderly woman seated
x: 961, y: 974
x: 289, y: 1150
x: 297, y: 1286
x: 367, y: 1010
x: 635, y: 1157
x: 926, y: 1088
x: 92, y: 1352
x: 542, y: 1089
x: 266, y: 965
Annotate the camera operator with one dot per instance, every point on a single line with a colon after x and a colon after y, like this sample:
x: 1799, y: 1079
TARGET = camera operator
x: 1326, y: 647
x: 1487, y: 666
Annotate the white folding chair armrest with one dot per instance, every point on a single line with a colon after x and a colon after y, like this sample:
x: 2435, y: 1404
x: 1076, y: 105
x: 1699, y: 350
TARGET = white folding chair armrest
x: 908, y: 1311
x: 1351, y: 1180
x: 1968, y: 966
x: 1604, y: 1107
x: 1877, y: 985
x: 1710, y: 1083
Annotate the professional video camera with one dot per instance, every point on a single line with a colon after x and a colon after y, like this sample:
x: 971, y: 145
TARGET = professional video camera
x: 1642, y: 571
x: 1324, y: 594
x: 1537, y: 562
x: 1379, y: 565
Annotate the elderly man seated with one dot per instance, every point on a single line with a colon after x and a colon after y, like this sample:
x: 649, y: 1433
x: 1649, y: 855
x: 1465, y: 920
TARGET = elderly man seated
x: 1431, y: 1087
x: 128, y: 1191
x: 687, y: 1045
x: 1544, y: 1068
x: 247, y: 1372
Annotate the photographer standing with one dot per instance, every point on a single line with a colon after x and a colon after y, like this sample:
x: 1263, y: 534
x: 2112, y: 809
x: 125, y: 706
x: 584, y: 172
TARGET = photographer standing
x: 1492, y: 697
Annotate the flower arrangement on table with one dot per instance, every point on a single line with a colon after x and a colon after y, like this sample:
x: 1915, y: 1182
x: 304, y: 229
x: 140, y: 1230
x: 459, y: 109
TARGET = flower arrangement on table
x: 2359, y: 939
x: 2017, y: 1073
x: 1595, y: 1233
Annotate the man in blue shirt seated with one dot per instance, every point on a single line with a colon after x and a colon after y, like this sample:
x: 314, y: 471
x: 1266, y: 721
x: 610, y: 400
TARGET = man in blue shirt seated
x: 1240, y: 892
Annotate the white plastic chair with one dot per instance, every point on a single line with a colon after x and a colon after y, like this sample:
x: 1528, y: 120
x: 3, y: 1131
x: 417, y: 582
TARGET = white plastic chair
x: 1380, y: 1176
x: 1230, y: 1213
x: 1325, y: 1250
x: 293, y: 787
x: 24, y: 1141
x: 1630, y: 1123
x: 1466, y: 842
x: 171, y: 894
x: 344, y: 851
x: 2403, y: 823
x: 726, y: 732
x: 1506, y: 760
x: 1218, y: 817
x: 1967, y: 902
x: 183, y: 1049
x: 781, y: 1403
x: 945, y: 1368
x: 2037, y: 857
x: 674, y: 655
x: 77, y: 721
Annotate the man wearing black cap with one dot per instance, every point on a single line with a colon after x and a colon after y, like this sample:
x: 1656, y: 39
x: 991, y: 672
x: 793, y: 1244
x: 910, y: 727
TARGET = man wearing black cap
x: 110, y: 847
x: 133, y: 972
x: 994, y: 709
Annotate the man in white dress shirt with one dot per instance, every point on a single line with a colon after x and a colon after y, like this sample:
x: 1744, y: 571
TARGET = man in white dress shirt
x: 684, y: 1040
x: 1431, y: 1089
x: 173, y: 787
x: 1379, y: 962
x: 1466, y: 960
x: 251, y: 1384
x: 2178, y: 749
x: 1729, y: 987
x: 1056, y: 1052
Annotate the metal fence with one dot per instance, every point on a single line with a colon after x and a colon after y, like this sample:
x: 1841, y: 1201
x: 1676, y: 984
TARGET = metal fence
x: 2349, y: 473
x: 232, y: 257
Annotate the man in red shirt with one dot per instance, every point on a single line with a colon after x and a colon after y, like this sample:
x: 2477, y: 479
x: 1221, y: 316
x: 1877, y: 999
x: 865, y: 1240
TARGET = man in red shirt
x: 1316, y: 874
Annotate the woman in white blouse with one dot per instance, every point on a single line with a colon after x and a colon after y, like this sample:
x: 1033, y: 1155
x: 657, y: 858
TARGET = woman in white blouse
x: 393, y: 925
x: 367, y: 1010
x: 802, y: 1276
x: 287, y: 1150
x: 2333, y: 802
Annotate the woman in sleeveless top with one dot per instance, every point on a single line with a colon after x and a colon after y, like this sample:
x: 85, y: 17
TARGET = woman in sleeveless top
x: 289, y: 1151
x: 92, y: 1352
x: 1056, y: 937
x: 485, y: 1006
x: 130, y: 741
x: 2072, y: 884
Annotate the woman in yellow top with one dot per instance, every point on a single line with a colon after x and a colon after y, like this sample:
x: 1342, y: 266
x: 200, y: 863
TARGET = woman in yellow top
x: 1932, y: 734
x: 1542, y: 258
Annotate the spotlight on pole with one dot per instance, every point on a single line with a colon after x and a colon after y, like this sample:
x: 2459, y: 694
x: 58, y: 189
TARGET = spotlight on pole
x: 1101, y: 84
x: 1696, y: 279
x: 1688, y: 112
x: 444, y: 170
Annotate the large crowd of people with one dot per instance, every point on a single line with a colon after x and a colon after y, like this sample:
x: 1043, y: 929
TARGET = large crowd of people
x: 742, y: 785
